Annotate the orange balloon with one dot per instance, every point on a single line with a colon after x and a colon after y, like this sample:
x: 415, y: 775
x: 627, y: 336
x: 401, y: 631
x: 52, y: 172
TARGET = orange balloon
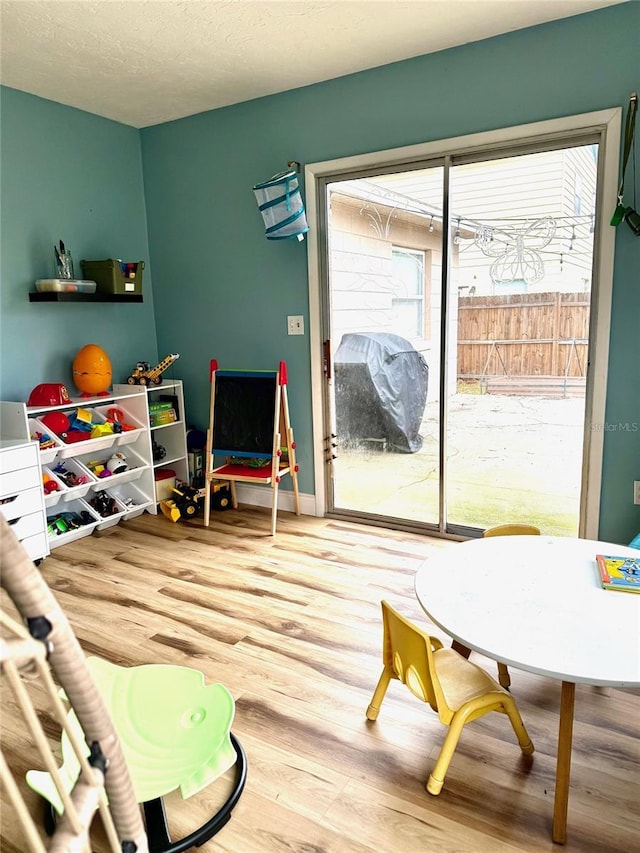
x: 92, y: 372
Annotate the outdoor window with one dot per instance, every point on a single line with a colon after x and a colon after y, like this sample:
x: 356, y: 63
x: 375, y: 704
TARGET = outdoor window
x: 407, y: 304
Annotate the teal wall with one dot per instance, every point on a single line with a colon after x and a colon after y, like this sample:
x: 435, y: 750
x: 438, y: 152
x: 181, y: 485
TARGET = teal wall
x: 66, y: 174
x: 221, y: 290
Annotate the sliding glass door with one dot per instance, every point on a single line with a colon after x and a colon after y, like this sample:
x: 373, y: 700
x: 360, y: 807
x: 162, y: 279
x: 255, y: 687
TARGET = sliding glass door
x: 521, y: 293
x: 457, y: 314
x: 385, y: 279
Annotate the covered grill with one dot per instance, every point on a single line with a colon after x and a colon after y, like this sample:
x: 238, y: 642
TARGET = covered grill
x: 381, y: 386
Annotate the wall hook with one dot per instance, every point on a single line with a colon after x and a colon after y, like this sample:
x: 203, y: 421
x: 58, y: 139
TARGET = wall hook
x: 293, y: 164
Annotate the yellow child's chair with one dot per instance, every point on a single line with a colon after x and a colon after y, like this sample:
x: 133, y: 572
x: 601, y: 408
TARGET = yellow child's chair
x: 509, y: 530
x: 457, y: 689
x: 512, y: 530
x: 501, y: 530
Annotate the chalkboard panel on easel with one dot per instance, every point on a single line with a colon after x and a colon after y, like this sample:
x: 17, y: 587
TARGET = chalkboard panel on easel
x: 249, y: 417
x: 245, y: 413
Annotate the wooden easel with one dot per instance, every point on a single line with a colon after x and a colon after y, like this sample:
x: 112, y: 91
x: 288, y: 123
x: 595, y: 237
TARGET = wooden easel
x: 249, y: 426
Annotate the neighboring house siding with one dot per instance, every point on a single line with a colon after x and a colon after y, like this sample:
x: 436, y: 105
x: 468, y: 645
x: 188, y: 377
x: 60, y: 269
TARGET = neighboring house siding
x: 361, y: 293
x: 505, y: 190
x: 361, y: 245
x: 507, y: 194
x: 362, y: 239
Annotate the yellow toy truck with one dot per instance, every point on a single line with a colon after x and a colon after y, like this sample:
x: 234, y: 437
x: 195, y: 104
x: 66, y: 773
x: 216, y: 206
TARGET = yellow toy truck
x: 186, y: 501
x: 144, y: 374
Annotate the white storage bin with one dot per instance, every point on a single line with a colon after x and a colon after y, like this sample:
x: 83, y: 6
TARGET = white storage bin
x: 106, y: 520
x: 37, y: 429
x: 127, y: 436
x: 135, y: 468
x: 132, y: 498
x: 52, y: 498
x: 76, y: 471
x: 71, y: 533
x: 87, y: 445
x: 65, y: 285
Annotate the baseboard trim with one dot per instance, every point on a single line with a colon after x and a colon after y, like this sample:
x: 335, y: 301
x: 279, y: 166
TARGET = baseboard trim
x: 261, y: 496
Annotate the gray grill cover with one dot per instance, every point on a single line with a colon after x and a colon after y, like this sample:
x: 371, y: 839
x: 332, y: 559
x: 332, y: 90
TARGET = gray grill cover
x: 381, y: 386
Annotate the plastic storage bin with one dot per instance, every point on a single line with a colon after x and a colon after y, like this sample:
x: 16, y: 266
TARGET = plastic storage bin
x: 135, y: 467
x: 115, y: 276
x: 65, y: 285
x: 51, y: 498
x: 49, y: 442
x: 127, y: 436
x: 165, y: 483
x: 135, y: 502
x: 62, y: 527
x: 107, y: 507
x: 88, y: 444
x: 76, y: 478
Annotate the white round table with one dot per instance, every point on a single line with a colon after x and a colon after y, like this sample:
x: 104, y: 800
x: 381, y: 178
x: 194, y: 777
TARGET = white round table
x: 535, y: 603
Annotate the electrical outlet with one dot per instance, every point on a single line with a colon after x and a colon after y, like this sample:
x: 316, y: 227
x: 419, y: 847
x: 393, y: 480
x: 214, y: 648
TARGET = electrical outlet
x: 636, y: 491
x: 295, y: 324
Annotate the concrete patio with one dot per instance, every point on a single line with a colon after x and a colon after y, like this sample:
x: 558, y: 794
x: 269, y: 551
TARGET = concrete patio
x: 515, y: 458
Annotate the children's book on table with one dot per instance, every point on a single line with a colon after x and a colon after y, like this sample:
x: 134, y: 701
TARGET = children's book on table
x: 619, y: 573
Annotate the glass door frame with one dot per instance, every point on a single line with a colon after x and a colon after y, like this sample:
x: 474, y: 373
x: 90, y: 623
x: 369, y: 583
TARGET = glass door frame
x: 604, y: 127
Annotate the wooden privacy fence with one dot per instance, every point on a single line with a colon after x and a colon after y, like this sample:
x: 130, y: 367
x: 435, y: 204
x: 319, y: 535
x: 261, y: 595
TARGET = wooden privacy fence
x: 525, y: 341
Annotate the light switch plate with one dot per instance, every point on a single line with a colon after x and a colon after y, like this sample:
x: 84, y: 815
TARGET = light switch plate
x: 295, y: 324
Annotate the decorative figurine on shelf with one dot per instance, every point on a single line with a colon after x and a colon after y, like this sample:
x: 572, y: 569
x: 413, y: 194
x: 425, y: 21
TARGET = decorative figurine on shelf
x: 92, y: 372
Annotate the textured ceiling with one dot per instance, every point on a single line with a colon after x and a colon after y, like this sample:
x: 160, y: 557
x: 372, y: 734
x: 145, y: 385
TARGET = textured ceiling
x: 142, y: 62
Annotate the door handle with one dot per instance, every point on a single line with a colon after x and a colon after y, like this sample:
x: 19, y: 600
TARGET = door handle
x: 326, y: 358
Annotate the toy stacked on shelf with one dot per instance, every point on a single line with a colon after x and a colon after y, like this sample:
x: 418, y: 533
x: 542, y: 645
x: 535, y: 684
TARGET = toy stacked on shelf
x: 161, y: 412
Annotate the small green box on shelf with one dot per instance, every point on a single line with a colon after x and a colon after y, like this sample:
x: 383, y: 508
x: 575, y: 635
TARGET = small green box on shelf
x: 115, y: 276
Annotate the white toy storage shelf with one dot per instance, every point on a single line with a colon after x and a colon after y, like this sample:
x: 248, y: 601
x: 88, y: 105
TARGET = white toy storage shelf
x: 77, y: 469
x: 78, y: 466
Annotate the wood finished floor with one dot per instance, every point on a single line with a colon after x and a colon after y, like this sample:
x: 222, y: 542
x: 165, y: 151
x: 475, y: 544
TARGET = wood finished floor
x: 291, y: 625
